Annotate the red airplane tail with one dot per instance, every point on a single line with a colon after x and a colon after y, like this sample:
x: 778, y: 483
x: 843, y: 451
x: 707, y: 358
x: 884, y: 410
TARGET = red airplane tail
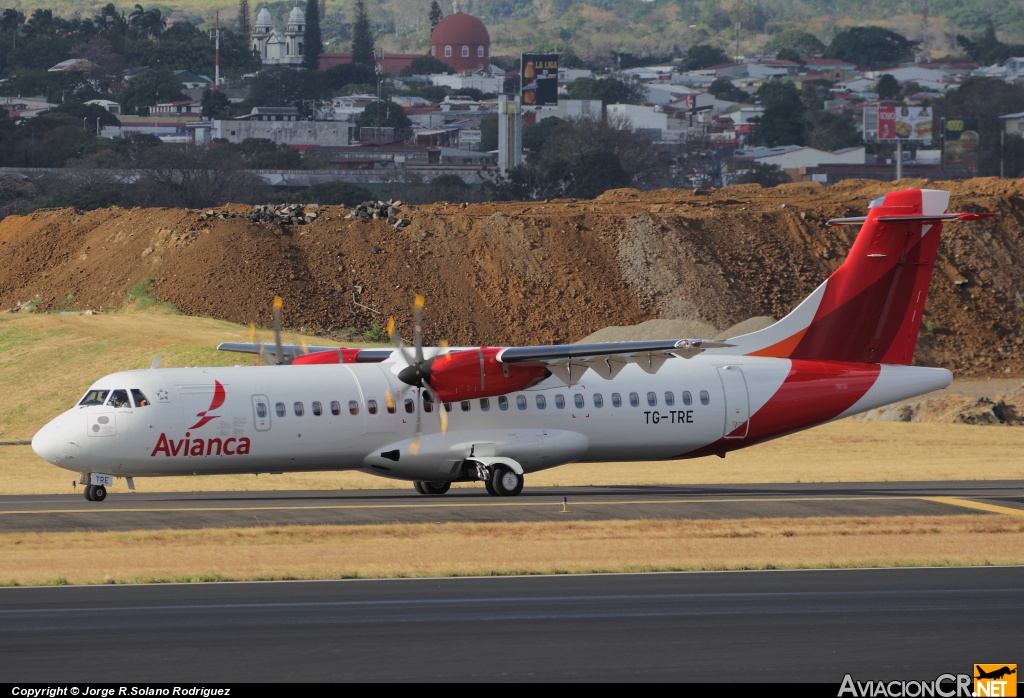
x: 869, y: 310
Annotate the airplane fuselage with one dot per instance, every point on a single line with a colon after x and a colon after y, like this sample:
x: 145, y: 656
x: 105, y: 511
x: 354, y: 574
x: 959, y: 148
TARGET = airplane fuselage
x: 339, y: 417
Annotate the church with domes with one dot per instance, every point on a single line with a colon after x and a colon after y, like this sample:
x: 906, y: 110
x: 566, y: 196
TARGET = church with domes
x: 275, y: 47
x: 462, y: 41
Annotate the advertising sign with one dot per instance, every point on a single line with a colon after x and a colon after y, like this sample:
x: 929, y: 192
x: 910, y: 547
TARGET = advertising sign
x: 961, y: 145
x: 540, y: 79
x: 469, y: 135
x: 905, y: 124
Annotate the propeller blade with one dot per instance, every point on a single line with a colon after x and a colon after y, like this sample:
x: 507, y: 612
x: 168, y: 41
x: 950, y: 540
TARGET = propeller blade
x: 417, y: 329
x: 252, y: 332
x: 442, y: 412
x: 389, y: 400
x: 398, y: 341
x: 414, y: 447
x: 278, y: 304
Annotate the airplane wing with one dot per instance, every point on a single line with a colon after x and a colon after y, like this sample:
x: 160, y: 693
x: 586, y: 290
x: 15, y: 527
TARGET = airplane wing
x: 290, y: 351
x: 570, y: 361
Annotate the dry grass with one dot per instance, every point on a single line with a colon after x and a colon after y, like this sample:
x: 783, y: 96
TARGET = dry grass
x: 333, y: 552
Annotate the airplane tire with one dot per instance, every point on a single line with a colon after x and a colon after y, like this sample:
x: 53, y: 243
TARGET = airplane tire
x: 99, y: 493
x: 88, y: 492
x: 419, y: 486
x: 507, y: 482
x: 436, y: 488
x: 489, y: 486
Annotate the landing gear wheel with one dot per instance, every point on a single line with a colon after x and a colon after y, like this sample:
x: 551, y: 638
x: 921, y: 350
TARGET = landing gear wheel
x: 88, y: 492
x: 99, y: 493
x: 436, y: 488
x: 506, y: 482
x: 419, y: 486
x: 489, y: 486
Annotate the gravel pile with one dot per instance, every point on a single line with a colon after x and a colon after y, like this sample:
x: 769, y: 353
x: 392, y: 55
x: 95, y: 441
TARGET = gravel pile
x: 285, y: 214
x: 374, y: 210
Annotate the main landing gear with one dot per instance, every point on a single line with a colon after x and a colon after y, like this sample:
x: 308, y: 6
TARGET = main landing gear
x: 499, y: 481
x: 95, y: 493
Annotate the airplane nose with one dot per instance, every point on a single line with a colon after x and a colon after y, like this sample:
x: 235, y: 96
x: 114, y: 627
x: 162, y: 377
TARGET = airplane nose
x: 48, y: 443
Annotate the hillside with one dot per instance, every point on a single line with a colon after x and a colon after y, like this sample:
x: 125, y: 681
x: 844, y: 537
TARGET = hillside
x: 526, y: 273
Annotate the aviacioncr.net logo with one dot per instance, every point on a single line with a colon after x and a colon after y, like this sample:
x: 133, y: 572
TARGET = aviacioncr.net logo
x: 943, y: 686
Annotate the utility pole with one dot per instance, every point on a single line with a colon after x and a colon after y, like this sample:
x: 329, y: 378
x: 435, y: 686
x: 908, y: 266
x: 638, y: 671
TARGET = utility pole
x: 216, y: 56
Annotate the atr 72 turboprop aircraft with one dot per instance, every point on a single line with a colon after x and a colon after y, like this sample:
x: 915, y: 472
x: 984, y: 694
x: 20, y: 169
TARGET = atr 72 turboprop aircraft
x: 493, y: 414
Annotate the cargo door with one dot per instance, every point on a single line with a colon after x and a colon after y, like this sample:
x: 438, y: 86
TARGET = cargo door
x: 737, y: 402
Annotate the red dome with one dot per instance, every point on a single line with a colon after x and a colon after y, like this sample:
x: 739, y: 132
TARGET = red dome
x: 460, y: 28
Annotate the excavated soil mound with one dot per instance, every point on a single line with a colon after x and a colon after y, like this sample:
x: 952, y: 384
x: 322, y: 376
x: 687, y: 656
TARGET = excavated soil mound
x: 529, y: 273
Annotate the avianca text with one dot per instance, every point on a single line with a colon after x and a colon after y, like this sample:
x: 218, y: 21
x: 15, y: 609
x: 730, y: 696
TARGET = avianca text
x: 201, y: 447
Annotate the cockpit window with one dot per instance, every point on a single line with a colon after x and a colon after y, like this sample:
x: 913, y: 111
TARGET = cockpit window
x: 139, y: 398
x: 94, y: 397
x: 119, y: 398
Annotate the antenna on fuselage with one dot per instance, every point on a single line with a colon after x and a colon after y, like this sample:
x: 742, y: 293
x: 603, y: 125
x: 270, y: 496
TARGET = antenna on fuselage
x: 156, y: 362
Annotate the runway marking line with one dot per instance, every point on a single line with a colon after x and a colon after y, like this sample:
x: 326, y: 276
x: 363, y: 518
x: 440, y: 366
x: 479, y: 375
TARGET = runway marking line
x: 942, y: 500
x: 968, y: 504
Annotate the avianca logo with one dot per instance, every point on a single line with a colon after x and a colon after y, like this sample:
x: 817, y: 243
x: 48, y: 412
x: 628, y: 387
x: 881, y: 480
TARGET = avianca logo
x: 218, y: 399
x: 201, y: 447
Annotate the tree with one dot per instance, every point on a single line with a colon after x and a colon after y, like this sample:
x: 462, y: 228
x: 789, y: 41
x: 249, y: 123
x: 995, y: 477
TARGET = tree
x: 873, y: 47
x: 803, y: 43
x: 426, y: 65
x: 389, y: 113
x: 887, y: 87
x: 244, y: 23
x: 609, y: 90
x: 595, y: 172
x: 827, y: 131
x: 489, y: 133
x: 149, y: 88
x: 313, y: 45
x: 435, y: 14
x: 782, y: 120
x: 703, y: 56
x: 215, y: 104
x: 725, y: 90
x: 984, y: 99
x: 362, y: 37
x: 334, y: 194
x: 765, y: 175
x: 12, y: 21
x: 535, y: 136
x: 788, y: 54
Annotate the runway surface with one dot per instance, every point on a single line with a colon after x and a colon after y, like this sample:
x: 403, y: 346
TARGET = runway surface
x: 791, y: 626
x: 135, y: 511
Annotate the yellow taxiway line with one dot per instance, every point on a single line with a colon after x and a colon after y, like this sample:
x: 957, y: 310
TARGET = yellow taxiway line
x: 968, y: 504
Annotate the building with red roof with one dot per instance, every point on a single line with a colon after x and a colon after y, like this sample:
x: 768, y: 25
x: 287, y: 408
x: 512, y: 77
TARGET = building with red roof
x: 462, y: 41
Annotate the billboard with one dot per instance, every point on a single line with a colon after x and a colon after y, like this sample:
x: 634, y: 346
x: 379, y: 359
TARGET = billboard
x: 539, y: 79
x: 905, y: 124
x: 961, y: 145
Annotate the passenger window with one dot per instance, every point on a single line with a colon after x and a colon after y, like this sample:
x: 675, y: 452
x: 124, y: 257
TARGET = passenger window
x: 578, y: 400
x: 317, y: 409
x: 485, y: 404
x: 521, y: 402
x: 705, y: 399
x: 616, y: 400
x: 139, y: 398
x: 465, y: 405
x: 353, y: 407
x: 94, y: 397
x: 428, y: 402
x: 279, y: 408
x: 502, y: 402
x: 560, y: 401
x: 119, y: 398
x: 447, y: 407
x: 410, y: 406
x: 261, y: 410
x: 598, y: 400
x: 652, y: 399
x: 670, y: 399
x: 687, y: 398
x: 542, y: 402
x: 371, y: 406
x: 335, y: 408
x: 389, y: 404
x: 634, y: 399
x: 298, y: 409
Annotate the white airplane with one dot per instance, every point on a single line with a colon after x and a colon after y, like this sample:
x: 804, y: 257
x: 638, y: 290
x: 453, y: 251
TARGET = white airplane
x: 509, y: 411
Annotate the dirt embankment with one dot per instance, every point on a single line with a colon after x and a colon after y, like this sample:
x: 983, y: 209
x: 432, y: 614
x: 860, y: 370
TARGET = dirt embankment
x: 530, y: 273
